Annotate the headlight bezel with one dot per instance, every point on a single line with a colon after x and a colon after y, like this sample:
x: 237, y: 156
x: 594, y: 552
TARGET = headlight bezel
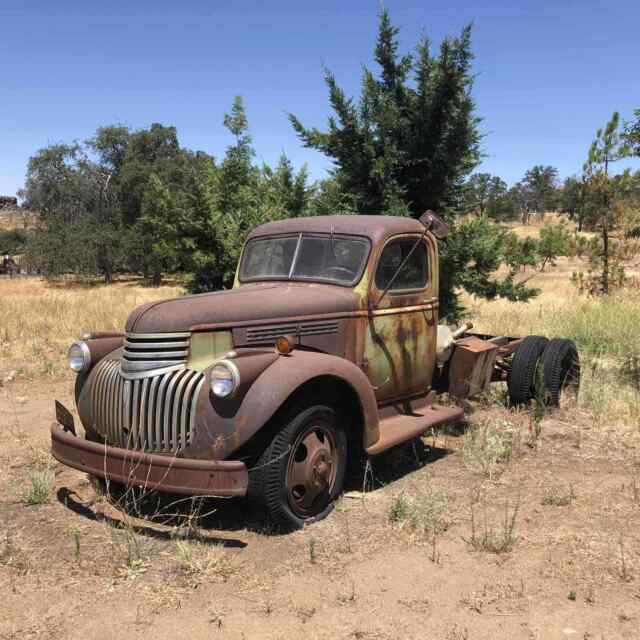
x: 233, y: 375
x: 82, y: 359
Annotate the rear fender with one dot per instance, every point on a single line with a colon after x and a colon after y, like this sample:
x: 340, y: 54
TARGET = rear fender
x: 226, y: 428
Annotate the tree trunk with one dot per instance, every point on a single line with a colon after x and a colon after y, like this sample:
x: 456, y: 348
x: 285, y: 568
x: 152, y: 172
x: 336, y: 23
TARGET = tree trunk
x: 156, y: 280
x: 605, y: 259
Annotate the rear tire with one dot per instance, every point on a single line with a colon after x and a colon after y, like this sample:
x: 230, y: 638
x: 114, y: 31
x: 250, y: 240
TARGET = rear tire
x: 561, y: 364
x: 521, y: 380
x: 301, y: 472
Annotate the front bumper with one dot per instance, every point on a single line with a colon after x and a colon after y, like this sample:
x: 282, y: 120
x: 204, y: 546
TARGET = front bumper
x: 168, y: 474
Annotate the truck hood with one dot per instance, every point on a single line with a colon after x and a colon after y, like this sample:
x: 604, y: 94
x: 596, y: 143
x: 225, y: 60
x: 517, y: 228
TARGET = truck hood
x: 241, y: 305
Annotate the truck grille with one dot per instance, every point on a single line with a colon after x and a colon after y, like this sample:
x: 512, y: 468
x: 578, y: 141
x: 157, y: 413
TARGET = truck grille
x: 271, y: 332
x: 156, y: 413
x: 148, y: 351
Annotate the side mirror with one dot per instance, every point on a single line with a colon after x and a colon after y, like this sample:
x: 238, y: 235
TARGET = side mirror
x: 435, y: 224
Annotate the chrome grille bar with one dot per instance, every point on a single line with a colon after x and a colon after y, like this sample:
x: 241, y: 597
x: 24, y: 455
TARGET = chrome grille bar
x: 154, y: 413
x: 148, y: 351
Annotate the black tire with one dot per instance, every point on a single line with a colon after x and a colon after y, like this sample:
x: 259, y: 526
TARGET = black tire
x: 561, y: 365
x: 269, y: 491
x: 521, y: 380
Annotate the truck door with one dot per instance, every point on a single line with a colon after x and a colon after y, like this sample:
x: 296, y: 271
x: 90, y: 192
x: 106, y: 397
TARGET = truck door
x: 401, y: 333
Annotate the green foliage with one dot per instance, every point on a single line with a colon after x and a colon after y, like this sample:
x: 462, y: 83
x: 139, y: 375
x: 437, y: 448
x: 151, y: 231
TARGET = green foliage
x: 235, y: 198
x: 631, y: 135
x: 611, y: 206
x: 158, y: 228
x: 538, y: 189
x: 470, y: 257
x: 14, y: 241
x: 399, y: 509
x: 330, y: 198
x: 487, y: 196
x: 40, y: 487
x: 406, y: 145
x: 570, y: 199
x: 138, y: 201
x: 555, y: 241
x: 412, y: 136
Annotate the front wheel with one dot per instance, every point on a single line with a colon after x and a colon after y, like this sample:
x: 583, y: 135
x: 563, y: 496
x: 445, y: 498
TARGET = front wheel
x: 302, y: 470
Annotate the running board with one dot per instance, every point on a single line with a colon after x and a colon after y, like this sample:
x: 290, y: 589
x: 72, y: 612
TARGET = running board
x: 397, y: 429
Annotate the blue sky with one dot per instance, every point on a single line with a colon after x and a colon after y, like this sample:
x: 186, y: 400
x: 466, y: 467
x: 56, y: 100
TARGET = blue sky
x: 548, y: 73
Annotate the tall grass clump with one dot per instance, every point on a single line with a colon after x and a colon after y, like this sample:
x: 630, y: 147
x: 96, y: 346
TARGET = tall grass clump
x: 489, y: 444
x: 605, y: 330
x: 40, y: 487
x: 602, y: 327
x: 424, y: 513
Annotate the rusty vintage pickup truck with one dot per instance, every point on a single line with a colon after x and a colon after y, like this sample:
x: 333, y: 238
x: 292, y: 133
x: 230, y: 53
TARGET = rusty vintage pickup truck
x: 326, y: 349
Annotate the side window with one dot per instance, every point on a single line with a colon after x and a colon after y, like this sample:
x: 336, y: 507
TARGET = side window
x: 413, y: 274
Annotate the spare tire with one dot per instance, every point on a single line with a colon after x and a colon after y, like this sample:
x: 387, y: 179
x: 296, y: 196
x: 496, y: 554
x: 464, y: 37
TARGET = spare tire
x: 521, y: 380
x: 561, y: 364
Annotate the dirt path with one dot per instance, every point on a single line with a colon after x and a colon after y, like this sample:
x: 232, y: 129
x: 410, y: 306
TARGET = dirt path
x: 77, y: 568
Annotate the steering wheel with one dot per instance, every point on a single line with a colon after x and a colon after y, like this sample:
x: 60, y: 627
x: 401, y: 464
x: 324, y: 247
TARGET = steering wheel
x: 339, y: 269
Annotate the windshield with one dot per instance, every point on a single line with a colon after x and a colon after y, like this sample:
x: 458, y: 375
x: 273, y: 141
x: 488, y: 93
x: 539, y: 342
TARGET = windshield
x: 326, y: 257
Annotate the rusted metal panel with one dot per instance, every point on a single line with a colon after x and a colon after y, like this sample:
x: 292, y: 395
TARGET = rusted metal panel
x: 266, y: 301
x: 153, y: 472
x: 225, y: 424
x: 400, y: 336
x: 207, y: 346
x: 402, y: 428
x: 471, y: 366
x: 376, y: 228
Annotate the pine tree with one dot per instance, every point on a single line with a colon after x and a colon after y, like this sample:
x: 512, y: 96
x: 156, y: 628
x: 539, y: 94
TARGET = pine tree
x: 606, y: 207
x: 158, y: 229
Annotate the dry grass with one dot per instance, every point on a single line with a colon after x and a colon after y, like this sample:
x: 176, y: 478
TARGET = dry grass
x: 38, y: 321
x: 199, y: 560
x: 604, y: 329
x: 490, y: 444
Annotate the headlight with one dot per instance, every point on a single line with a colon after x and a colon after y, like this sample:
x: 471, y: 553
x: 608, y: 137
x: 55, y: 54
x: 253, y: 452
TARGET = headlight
x: 224, y: 379
x: 79, y: 357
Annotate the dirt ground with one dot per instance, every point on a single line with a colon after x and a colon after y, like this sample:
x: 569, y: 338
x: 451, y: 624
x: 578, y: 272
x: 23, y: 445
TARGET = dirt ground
x: 76, y: 567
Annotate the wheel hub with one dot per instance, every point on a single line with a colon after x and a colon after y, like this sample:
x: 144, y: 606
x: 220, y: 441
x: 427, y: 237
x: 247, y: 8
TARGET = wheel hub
x: 321, y: 469
x: 311, y: 471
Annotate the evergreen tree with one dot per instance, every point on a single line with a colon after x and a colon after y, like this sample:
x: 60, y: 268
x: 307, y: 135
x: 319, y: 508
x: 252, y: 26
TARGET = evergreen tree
x: 485, y: 196
x: 539, y: 186
x: 608, y: 207
x: 158, y: 229
x: 406, y: 146
x: 570, y: 199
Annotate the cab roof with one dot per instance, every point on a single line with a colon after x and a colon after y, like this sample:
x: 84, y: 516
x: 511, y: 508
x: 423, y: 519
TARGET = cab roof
x: 376, y: 228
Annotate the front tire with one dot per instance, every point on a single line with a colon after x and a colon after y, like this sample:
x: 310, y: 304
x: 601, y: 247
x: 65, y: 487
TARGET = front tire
x: 302, y: 470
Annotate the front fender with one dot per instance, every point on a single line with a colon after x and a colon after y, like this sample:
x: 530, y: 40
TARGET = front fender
x: 225, y: 427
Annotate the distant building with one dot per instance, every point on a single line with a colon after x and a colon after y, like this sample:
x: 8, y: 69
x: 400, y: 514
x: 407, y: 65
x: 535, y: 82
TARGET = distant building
x: 7, y: 202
